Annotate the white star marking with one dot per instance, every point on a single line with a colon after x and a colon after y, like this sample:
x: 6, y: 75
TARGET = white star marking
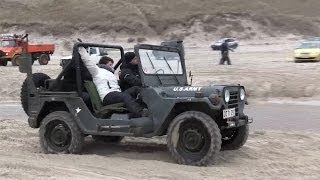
x: 78, y: 110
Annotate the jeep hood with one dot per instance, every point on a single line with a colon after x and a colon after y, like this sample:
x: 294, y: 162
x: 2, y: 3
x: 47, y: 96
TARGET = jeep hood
x: 191, y: 91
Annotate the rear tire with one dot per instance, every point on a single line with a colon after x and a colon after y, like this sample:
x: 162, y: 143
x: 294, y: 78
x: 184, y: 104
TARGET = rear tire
x: 44, y: 59
x: 59, y: 133
x: 38, y: 79
x: 15, y: 61
x: 235, y: 138
x: 107, y: 139
x: 194, y: 138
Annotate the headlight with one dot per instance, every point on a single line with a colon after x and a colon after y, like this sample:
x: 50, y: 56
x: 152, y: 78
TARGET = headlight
x: 226, y: 96
x: 242, y: 94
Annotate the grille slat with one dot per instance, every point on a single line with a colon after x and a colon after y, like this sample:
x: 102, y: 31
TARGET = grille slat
x: 234, y: 101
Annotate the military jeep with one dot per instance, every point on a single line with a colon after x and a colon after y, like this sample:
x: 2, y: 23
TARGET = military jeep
x: 199, y: 121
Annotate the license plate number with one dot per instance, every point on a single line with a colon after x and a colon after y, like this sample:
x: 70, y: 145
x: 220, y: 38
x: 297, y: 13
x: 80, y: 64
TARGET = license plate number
x: 228, y: 113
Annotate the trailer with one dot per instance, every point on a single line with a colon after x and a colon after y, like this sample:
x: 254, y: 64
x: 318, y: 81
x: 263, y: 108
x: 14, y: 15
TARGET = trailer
x: 11, y: 48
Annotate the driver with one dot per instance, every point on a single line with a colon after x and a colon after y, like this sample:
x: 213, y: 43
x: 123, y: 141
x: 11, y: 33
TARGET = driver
x: 108, y: 88
x: 129, y: 76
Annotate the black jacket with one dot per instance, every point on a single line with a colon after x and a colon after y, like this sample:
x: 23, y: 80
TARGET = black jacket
x: 224, y: 48
x: 129, y: 76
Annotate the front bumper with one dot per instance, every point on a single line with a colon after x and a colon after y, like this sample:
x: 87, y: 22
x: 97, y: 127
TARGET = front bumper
x: 311, y: 58
x: 5, y: 57
x: 237, y: 122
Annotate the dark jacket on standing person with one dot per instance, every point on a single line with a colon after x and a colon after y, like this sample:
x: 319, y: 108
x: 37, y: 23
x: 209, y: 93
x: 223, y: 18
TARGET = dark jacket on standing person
x: 224, y: 48
x: 129, y: 75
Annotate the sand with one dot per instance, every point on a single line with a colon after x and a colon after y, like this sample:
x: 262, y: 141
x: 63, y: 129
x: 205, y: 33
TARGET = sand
x: 266, y: 155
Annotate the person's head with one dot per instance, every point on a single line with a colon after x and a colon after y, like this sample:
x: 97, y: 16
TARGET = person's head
x: 106, y: 60
x: 130, y: 57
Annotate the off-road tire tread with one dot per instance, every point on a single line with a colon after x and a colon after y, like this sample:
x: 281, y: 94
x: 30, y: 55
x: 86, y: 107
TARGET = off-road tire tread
x: 214, y: 131
x: 77, y: 141
x: 38, y: 79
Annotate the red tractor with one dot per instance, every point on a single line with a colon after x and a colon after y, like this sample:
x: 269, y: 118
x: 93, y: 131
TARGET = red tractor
x: 11, y: 47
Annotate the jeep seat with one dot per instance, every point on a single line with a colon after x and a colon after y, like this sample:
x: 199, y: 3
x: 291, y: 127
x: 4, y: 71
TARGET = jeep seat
x: 98, y: 108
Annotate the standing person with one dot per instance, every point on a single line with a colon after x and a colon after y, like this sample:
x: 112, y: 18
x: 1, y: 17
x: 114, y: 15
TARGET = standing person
x: 225, y: 53
x: 129, y: 75
x: 108, y: 88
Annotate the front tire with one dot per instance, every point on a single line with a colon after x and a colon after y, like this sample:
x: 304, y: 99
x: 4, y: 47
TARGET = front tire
x: 3, y: 63
x: 194, y: 138
x: 235, y: 138
x: 59, y: 133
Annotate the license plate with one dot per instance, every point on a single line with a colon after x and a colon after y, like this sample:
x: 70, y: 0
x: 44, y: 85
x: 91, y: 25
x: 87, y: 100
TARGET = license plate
x: 228, y: 113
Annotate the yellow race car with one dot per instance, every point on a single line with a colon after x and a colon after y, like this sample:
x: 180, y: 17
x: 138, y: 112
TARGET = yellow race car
x: 307, y: 51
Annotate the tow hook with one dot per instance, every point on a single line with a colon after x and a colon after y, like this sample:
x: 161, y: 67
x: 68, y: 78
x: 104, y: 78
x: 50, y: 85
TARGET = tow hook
x: 231, y: 123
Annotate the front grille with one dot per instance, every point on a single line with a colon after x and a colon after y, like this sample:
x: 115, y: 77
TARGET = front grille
x: 234, y: 101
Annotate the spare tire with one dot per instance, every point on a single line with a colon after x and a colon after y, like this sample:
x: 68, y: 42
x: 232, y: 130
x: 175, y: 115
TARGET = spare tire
x: 38, y: 79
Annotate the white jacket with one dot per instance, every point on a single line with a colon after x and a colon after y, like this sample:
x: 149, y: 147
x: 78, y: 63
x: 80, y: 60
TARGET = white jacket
x: 104, y: 80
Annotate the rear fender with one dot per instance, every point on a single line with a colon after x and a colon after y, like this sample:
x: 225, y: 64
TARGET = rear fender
x: 46, y: 107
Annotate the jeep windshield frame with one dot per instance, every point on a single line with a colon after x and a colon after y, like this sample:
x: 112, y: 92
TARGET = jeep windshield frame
x: 161, y: 66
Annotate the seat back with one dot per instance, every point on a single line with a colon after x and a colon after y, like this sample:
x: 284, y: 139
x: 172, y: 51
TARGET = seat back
x: 94, y: 95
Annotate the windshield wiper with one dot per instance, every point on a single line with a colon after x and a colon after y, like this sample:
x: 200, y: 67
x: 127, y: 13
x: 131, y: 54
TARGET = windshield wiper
x: 171, y: 70
x: 154, y: 68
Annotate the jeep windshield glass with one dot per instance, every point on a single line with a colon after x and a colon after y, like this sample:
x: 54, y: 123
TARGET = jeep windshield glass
x: 309, y: 45
x: 160, y: 62
x: 7, y: 43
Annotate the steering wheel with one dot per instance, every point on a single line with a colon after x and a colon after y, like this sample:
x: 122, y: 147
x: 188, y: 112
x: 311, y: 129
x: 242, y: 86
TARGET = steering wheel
x: 159, y: 71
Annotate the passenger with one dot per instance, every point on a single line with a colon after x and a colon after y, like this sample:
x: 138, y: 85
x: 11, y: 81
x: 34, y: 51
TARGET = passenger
x: 108, y: 88
x: 129, y: 75
x: 106, y: 63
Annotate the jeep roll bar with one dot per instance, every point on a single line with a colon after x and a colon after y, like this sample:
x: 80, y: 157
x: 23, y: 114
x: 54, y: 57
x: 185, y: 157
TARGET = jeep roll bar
x: 76, y: 59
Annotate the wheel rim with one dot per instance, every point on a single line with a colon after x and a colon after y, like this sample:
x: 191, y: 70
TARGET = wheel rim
x: 17, y: 60
x: 44, y: 60
x: 58, y: 135
x: 194, y: 140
